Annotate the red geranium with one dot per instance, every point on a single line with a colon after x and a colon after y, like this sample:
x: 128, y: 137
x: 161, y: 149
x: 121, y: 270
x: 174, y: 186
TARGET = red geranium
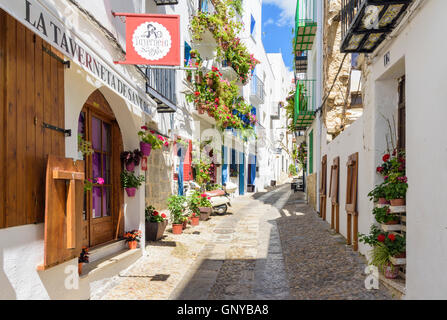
x: 392, y: 237
x: 144, y: 128
x: 381, y: 238
x: 197, y: 93
x: 386, y: 157
x: 379, y: 169
x: 163, y: 216
x: 155, y: 213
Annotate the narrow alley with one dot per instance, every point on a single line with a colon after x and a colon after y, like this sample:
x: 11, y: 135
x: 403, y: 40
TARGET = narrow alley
x: 269, y: 246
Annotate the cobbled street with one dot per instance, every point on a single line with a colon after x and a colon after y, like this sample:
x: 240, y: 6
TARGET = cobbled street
x: 269, y: 246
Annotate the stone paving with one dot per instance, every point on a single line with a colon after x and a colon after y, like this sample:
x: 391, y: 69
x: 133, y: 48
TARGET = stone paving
x: 270, y: 246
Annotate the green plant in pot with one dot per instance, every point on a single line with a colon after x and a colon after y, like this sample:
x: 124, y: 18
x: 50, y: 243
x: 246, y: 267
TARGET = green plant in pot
x: 156, y: 223
x: 177, y: 205
x: 131, y: 182
x: 396, y: 190
x: 386, y: 246
x: 384, y: 215
x: 378, y: 194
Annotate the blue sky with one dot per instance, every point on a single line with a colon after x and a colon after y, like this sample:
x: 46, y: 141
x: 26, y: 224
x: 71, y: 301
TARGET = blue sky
x: 278, y: 18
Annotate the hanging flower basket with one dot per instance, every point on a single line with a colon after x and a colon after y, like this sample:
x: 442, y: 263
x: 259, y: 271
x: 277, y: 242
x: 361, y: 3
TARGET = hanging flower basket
x: 131, y: 192
x: 130, y: 166
x: 146, y: 148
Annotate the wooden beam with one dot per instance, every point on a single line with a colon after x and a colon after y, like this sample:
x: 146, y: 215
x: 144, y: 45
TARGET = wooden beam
x: 68, y: 175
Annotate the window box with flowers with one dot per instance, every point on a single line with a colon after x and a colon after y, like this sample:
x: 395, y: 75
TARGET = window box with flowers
x: 156, y: 224
x: 132, y: 238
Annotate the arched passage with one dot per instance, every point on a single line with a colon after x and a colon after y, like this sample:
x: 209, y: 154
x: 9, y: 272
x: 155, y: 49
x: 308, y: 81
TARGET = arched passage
x: 103, y: 218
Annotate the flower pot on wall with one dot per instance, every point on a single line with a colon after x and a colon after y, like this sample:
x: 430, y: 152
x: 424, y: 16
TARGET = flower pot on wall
x: 155, y: 230
x: 145, y: 148
x: 383, y: 201
x: 177, y: 228
x: 397, y: 202
x: 130, y: 166
x: 131, y: 192
x: 132, y: 244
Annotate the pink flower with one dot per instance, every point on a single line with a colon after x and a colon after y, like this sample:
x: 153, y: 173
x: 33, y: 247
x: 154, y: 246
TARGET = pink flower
x: 166, y: 144
x: 99, y: 180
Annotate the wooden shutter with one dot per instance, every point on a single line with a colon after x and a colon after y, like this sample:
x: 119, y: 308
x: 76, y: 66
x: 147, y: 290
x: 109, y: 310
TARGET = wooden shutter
x: 333, y: 188
x: 64, y: 200
x: 311, y: 152
x: 117, y: 189
x: 351, y: 183
x: 31, y: 93
x: 323, y: 176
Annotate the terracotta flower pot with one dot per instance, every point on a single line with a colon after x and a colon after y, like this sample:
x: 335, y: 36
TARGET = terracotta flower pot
x: 130, y: 166
x: 195, y: 221
x: 401, y: 255
x: 397, y: 202
x: 155, y: 230
x: 177, y: 228
x: 80, y: 264
x: 132, y: 244
x: 131, y: 192
x: 389, y: 223
x: 145, y: 148
x: 390, y: 271
x: 383, y: 201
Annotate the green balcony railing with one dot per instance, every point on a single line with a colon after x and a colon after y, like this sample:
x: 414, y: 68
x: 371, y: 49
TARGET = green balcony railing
x: 305, y: 104
x: 305, y: 25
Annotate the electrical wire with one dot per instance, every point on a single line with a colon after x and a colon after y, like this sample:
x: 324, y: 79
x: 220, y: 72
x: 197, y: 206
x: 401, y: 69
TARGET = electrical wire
x: 333, y: 84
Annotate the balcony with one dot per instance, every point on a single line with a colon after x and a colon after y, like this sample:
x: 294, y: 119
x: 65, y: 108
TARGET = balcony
x: 305, y: 104
x: 305, y: 25
x: 161, y: 86
x: 228, y: 71
x: 257, y: 90
x: 365, y: 23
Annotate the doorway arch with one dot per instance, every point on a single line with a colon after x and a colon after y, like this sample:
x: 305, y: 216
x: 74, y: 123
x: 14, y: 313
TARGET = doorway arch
x: 103, y: 218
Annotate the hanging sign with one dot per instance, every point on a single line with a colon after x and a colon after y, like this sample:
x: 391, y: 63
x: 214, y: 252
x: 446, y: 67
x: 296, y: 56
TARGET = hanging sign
x: 152, y: 39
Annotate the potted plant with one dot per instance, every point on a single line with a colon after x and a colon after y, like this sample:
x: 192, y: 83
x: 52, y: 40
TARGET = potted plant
x: 396, y: 190
x: 155, y: 224
x: 132, y: 238
x: 195, y: 218
x: 149, y: 141
x: 83, y: 258
x: 378, y: 194
x: 205, y: 207
x: 386, y: 246
x: 131, y: 159
x: 177, y: 205
x: 131, y: 182
x: 384, y: 215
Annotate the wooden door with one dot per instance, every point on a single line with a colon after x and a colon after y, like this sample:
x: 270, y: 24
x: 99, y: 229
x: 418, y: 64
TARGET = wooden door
x: 351, y: 200
x: 333, y: 193
x: 104, y: 203
x: 323, y: 196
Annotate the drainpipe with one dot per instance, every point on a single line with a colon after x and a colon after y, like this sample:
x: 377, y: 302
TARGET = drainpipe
x: 318, y: 90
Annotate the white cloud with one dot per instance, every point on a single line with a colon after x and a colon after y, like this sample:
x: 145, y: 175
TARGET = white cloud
x: 269, y: 22
x: 288, y: 10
